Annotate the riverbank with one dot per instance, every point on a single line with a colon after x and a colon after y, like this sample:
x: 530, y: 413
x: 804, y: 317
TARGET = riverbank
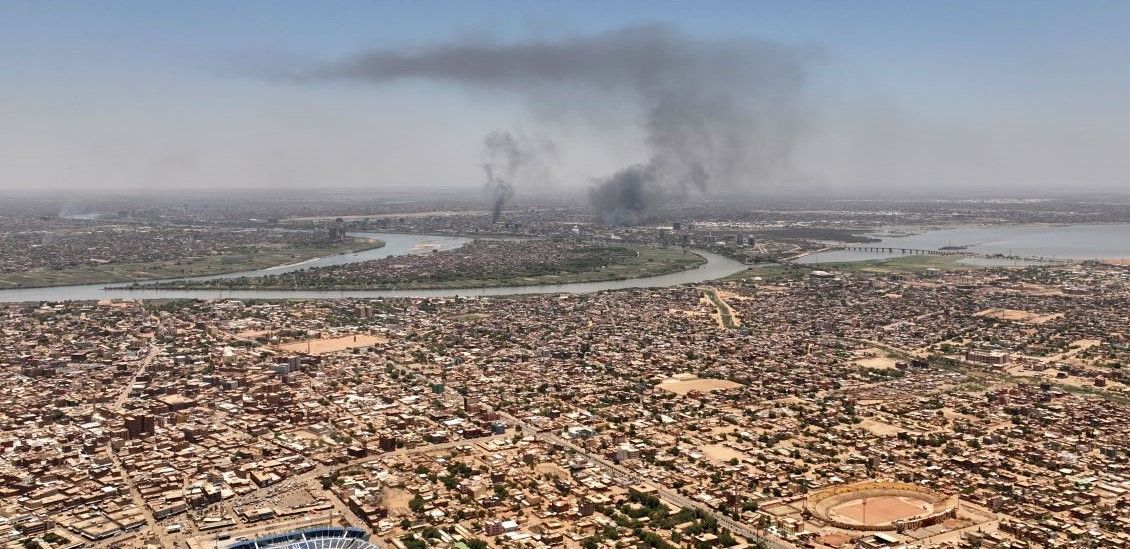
x: 907, y: 264
x: 1000, y: 245
x: 643, y: 262
x: 115, y: 273
x: 396, y: 244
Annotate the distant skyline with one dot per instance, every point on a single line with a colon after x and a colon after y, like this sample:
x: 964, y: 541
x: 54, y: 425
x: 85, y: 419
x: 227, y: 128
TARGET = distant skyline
x: 978, y: 97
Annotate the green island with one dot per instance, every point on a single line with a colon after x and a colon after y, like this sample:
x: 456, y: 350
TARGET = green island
x: 479, y: 264
x: 241, y: 258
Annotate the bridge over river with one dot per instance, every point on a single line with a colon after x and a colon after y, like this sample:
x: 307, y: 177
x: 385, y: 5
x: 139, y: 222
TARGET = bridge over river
x: 918, y: 251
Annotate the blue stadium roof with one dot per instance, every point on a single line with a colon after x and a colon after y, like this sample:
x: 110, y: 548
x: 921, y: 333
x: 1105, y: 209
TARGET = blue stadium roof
x: 327, y: 537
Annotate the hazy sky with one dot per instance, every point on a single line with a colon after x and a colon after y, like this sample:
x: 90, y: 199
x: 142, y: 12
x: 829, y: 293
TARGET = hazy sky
x: 942, y: 96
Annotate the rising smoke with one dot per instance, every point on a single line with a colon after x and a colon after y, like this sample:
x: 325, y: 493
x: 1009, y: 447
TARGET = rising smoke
x: 501, y: 164
x: 713, y: 114
x: 508, y: 158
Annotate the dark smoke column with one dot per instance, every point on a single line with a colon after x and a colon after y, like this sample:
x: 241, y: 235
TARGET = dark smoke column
x: 714, y: 114
x: 503, y: 157
x: 627, y: 197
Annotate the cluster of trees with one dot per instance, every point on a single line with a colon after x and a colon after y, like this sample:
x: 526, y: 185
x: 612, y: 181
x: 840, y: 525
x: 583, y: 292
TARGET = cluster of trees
x: 629, y: 518
x: 420, y: 541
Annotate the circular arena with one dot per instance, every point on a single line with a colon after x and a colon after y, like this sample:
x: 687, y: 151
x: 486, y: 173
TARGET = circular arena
x: 880, y: 506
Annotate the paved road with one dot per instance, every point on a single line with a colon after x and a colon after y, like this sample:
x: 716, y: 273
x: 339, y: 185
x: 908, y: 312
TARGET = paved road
x: 131, y: 486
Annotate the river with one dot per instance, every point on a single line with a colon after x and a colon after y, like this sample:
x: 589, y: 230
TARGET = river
x: 715, y: 267
x: 1053, y: 242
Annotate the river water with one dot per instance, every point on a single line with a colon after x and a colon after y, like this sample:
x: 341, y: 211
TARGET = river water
x: 1082, y: 241
x: 715, y: 267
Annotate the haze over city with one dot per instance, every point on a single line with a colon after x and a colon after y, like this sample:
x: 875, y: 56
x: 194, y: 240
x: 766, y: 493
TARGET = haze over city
x: 1012, y: 97
x: 564, y: 275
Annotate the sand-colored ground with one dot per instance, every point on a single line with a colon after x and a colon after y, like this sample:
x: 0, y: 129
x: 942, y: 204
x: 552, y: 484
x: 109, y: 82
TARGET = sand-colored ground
x: 1076, y: 346
x: 878, y: 510
x: 1118, y: 262
x: 880, y: 362
x: 396, y: 501
x: 1085, y: 381
x: 722, y: 309
x: 733, y: 296
x: 685, y: 385
x: 1015, y: 315
x: 726, y: 298
x: 721, y: 453
x: 332, y: 345
x: 835, y: 539
x: 115, y: 304
x: 552, y: 469
x: 773, y: 288
x: 1028, y: 288
x: 1084, y: 344
x: 303, y: 434
x: 878, y: 428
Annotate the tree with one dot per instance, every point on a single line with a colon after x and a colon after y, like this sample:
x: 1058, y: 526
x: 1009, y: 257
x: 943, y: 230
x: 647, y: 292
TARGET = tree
x: 413, y: 543
x: 416, y: 504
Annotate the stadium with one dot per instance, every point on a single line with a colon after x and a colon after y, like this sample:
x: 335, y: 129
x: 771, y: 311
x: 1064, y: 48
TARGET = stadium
x: 880, y: 506
x: 311, y: 538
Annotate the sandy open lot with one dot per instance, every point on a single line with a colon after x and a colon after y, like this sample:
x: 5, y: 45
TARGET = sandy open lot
x: 684, y: 386
x: 1082, y: 344
x: 552, y: 469
x: 879, y: 510
x: 835, y: 539
x: 332, y: 345
x: 879, y: 428
x: 115, y: 304
x: 396, y: 501
x: 1014, y: 315
x: 879, y: 362
x: 1076, y: 347
x: 721, y: 453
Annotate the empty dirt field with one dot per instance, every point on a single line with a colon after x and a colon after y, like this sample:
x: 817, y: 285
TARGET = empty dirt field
x: 396, y: 501
x: 1014, y: 315
x: 332, y: 345
x: 879, y: 361
x: 552, y: 469
x: 879, y: 428
x: 721, y: 453
x: 1075, y: 348
x: 684, y: 385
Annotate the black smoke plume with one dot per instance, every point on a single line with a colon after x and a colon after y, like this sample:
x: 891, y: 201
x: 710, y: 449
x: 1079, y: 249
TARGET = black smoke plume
x: 715, y: 114
x: 503, y: 157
